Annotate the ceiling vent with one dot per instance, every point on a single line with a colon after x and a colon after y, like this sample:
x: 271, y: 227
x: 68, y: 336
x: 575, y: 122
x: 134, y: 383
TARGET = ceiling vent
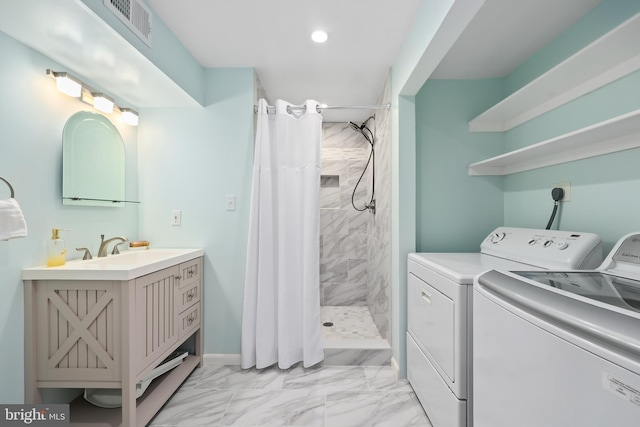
x: 135, y: 15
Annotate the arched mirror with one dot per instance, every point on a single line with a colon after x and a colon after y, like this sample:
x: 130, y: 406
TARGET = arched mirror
x: 93, y: 162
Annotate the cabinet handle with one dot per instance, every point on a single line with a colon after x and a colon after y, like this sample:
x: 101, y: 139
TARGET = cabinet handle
x: 426, y: 297
x: 178, y: 277
x: 190, y: 295
x: 190, y: 319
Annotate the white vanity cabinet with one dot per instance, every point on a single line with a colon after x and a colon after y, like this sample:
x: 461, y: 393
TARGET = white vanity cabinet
x: 111, y: 334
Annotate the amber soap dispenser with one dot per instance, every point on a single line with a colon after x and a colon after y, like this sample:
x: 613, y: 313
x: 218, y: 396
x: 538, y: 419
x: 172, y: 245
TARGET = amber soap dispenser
x: 56, y: 251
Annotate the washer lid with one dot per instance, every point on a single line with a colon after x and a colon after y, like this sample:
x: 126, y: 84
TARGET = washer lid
x: 606, y: 288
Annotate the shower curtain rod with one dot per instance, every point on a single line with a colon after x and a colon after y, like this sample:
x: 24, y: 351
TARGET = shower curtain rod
x: 321, y: 107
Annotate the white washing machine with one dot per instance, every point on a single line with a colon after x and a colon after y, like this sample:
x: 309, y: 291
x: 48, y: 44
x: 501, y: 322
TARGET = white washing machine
x: 440, y: 309
x: 559, y: 348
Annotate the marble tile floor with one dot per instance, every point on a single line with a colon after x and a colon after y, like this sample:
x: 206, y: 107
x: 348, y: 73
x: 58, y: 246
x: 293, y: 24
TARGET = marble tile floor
x: 330, y: 396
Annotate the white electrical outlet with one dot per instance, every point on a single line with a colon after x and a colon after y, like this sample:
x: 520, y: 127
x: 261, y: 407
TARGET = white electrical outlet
x: 566, y: 186
x: 230, y: 202
x: 176, y: 217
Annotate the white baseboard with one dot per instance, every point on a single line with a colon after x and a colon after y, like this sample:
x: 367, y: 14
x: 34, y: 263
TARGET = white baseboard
x: 395, y: 366
x: 234, y: 359
x: 220, y: 359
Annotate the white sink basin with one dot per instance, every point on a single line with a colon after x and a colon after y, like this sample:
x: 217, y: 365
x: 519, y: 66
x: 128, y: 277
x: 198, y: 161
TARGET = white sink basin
x: 125, y: 266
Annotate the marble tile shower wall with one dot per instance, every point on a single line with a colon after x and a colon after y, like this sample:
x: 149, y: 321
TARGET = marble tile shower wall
x: 343, y: 230
x: 355, y: 247
x: 379, y: 232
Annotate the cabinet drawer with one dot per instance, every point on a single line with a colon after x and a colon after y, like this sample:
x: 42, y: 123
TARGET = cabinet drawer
x: 190, y: 320
x: 190, y: 272
x: 431, y: 320
x: 187, y: 296
x: 442, y: 406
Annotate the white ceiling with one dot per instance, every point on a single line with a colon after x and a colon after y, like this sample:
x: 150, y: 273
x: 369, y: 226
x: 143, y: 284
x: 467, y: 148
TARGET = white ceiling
x: 364, y: 39
x: 274, y: 37
x: 504, y: 33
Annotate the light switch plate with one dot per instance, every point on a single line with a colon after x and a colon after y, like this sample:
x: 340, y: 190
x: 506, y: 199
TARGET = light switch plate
x: 176, y: 217
x: 230, y: 202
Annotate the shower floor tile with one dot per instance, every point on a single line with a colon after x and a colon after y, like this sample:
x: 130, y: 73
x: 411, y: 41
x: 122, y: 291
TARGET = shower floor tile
x: 349, y: 322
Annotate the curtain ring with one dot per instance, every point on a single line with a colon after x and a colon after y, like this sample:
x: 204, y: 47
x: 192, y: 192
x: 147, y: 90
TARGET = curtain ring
x: 8, y: 185
x: 290, y: 108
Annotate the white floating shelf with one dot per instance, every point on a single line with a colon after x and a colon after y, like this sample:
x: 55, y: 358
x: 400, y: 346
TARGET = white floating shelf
x: 612, y: 56
x: 620, y: 133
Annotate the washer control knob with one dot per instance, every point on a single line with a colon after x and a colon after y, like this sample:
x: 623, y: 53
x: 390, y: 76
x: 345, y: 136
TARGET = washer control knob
x: 562, y: 245
x: 547, y: 243
x: 496, y: 237
x: 533, y: 241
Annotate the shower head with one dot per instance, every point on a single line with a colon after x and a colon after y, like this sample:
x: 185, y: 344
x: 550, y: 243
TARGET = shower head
x: 359, y: 128
x: 372, y: 117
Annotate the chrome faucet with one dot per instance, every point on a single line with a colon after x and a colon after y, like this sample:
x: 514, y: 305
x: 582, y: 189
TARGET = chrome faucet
x: 102, y: 252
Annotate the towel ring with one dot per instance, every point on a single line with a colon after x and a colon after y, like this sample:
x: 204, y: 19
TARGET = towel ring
x: 9, y: 185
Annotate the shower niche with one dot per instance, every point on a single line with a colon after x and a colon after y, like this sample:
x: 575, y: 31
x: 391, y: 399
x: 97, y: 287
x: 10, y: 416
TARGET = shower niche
x: 329, y: 181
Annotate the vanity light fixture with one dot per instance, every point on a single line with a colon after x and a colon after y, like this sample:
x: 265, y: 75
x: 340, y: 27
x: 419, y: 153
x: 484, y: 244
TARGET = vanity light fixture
x: 72, y: 86
x: 129, y: 116
x: 66, y: 83
x: 102, y: 102
x: 319, y: 36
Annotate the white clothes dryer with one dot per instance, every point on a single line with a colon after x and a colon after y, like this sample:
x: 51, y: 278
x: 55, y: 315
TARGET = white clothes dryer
x: 440, y: 309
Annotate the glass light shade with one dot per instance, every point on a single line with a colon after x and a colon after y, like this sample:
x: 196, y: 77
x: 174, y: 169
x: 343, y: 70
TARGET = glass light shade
x: 129, y: 116
x: 68, y: 85
x: 102, y: 103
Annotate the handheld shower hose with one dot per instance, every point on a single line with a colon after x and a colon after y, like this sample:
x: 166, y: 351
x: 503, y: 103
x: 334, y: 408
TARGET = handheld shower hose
x: 368, y: 135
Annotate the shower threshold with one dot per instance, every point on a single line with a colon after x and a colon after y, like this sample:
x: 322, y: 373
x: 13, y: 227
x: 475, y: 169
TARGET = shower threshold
x: 353, y: 339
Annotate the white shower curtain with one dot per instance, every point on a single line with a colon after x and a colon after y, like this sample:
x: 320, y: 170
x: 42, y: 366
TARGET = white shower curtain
x: 281, y: 313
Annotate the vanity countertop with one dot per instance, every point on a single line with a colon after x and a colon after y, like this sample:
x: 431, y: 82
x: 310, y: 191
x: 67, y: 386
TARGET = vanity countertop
x: 125, y: 266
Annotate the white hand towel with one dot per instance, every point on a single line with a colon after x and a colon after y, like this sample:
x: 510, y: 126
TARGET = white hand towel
x: 12, y: 223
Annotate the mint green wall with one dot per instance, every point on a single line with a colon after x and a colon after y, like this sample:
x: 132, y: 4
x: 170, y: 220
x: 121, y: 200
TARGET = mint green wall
x: 403, y: 145
x: 166, y: 51
x: 436, y: 25
x: 426, y: 23
x: 190, y: 159
x: 455, y: 211
x: 604, y: 17
x: 32, y: 116
x: 604, y: 190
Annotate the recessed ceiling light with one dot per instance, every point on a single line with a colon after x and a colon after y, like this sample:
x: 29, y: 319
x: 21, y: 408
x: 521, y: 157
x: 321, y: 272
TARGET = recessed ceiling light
x: 319, y: 36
